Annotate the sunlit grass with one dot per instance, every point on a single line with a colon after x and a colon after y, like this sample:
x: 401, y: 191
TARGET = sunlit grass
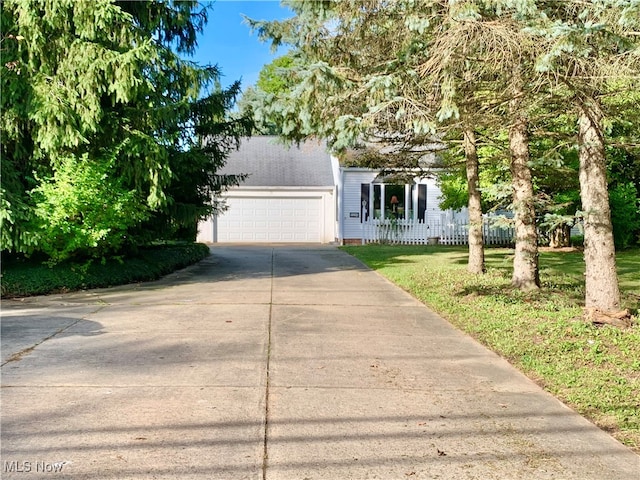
x: 595, y: 370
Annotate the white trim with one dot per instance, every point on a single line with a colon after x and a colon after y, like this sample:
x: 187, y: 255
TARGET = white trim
x: 238, y: 191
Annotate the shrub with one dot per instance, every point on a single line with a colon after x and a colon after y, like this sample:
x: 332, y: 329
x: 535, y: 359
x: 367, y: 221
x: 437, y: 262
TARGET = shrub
x: 625, y: 215
x: 24, y: 277
x: 84, y: 209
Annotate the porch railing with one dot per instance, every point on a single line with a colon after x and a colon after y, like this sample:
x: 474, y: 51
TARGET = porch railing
x: 443, y: 232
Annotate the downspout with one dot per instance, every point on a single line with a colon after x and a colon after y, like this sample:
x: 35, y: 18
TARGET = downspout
x: 338, y: 174
x: 215, y: 228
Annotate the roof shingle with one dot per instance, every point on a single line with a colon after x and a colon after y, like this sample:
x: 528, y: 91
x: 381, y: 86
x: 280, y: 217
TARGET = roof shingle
x: 271, y: 164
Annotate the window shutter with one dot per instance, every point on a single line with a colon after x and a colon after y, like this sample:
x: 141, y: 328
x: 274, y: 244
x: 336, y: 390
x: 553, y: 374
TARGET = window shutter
x: 365, y: 189
x: 422, y: 201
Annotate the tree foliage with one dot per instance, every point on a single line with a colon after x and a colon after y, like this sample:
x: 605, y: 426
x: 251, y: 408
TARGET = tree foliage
x: 83, y: 209
x: 104, y: 122
x: 274, y: 81
x: 536, y: 81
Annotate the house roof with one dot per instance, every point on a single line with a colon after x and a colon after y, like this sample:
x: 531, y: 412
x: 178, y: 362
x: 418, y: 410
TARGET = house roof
x: 271, y: 164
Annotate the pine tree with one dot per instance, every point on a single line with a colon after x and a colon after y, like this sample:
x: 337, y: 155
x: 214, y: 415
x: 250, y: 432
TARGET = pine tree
x: 357, y: 80
x: 406, y: 70
x: 101, y: 87
x: 409, y: 70
x: 592, y: 49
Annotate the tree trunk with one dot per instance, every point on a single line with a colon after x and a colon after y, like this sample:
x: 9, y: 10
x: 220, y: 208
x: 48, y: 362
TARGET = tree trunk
x: 476, y: 241
x: 560, y: 237
x: 525, y: 262
x: 602, y: 290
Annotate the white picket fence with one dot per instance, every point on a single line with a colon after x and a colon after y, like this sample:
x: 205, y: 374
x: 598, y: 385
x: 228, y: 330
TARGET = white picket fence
x: 432, y: 232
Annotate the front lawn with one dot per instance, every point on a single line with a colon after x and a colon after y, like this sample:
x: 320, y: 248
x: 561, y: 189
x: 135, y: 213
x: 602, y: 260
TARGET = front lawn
x: 595, y: 370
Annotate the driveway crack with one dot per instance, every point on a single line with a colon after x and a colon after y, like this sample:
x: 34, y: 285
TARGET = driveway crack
x: 265, y: 453
x: 26, y: 351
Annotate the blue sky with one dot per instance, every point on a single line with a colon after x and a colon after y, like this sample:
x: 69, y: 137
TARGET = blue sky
x: 228, y: 42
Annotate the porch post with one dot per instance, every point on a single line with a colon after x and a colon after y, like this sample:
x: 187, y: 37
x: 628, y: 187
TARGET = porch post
x: 363, y: 209
x: 407, y: 193
x: 372, y: 205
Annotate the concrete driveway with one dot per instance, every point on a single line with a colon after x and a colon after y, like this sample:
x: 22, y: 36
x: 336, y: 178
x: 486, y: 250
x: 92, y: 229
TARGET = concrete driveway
x: 283, y: 362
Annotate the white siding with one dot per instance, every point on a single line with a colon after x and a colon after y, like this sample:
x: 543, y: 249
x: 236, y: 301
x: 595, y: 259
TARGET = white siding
x: 433, y: 201
x: 352, y: 179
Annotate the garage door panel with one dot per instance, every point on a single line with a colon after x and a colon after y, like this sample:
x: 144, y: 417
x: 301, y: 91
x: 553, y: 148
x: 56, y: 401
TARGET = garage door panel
x: 249, y: 219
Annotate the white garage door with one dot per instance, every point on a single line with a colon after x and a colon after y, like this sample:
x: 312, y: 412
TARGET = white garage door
x: 272, y: 219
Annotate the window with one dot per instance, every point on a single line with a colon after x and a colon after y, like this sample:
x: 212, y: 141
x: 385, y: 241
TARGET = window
x: 393, y: 201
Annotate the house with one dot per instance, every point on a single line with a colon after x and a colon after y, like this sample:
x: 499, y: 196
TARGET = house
x: 370, y: 205
x: 302, y: 194
x: 289, y: 195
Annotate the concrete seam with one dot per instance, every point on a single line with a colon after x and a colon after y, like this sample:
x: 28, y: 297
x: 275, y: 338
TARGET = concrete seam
x: 265, y: 453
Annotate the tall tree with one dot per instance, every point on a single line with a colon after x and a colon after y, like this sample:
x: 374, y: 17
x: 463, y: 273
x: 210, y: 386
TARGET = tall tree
x: 360, y: 81
x: 593, y: 49
x: 482, y: 59
x: 476, y: 262
x: 525, y: 262
x: 100, y: 89
x: 599, y: 250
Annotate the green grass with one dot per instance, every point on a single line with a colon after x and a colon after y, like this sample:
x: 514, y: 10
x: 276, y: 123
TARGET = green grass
x: 595, y: 370
x: 25, y: 277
